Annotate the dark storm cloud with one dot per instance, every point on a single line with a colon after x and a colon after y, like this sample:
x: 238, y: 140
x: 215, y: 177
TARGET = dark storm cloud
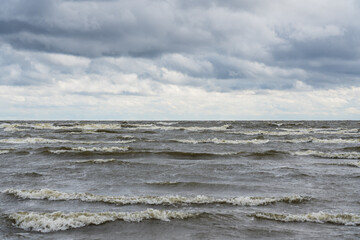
x: 236, y: 43
x: 95, y: 29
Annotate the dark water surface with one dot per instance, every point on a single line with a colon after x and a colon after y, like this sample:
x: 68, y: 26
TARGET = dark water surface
x: 180, y: 180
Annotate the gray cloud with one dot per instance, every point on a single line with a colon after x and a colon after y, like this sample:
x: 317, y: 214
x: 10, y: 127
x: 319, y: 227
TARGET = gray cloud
x: 218, y: 45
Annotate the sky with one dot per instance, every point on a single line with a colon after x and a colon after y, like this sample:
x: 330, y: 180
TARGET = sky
x: 180, y: 59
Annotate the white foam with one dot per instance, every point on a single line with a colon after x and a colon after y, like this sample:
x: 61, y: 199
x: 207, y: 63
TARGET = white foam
x: 96, y: 161
x: 343, y: 155
x: 4, y: 151
x: 167, y: 123
x: 171, y: 128
x: 320, y: 140
x: 299, y: 131
x: 222, y: 141
x: 12, y: 127
x: 270, y: 133
x: 31, y: 140
x: 350, y: 164
x: 151, y: 200
x: 59, y: 221
x: 319, y: 217
x: 50, y: 141
x: 93, y: 149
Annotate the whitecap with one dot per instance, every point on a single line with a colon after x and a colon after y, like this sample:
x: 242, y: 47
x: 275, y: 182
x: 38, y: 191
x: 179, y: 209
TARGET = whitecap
x: 54, y: 195
x: 59, y: 221
x: 318, y: 217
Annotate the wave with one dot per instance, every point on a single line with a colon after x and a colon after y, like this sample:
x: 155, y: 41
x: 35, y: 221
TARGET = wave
x: 338, y: 155
x: 321, y: 140
x: 93, y: 149
x: 4, y: 151
x: 189, y: 184
x: 222, y: 141
x: 299, y: 131
x: 167, y: 123
x: 263, y: 141
x: 131, y: 153
x: 50, y: 141
x: 92, y: 127
x: 322, y: 131
x: 96, y: 161
x: 171, y: 128
x: 48, y: 194
x: 349, y: 164
x: 32, y: 140
x: 60, y: 221
x: 13, y: 127
x: 29, y: 174
x: 319, y: 217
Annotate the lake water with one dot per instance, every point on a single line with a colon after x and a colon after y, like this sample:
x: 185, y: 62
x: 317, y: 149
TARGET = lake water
x: 180, y: 180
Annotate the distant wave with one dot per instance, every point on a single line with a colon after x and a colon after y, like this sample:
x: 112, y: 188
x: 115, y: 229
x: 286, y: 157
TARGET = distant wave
x: 299, y: 131
x: 319, y: 217
x: 45, y: 141
x: 340, y: 155
x: 107, y: 126
x: 263, y: 141
x: 322, y: 140
x: 4, y: 151
x: 167, y: 123
x: 53, y: 195
x: 59, y: 221
x: 222, y: 141
x: 190, y: 184
x: 96, y: 161
x: 171, y: 128
x: 93, y: 149
x: 348, y: 164
x: 110, y: 161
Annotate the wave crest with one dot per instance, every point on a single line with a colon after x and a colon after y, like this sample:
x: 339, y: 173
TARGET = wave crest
x: 340, y: 155
x: 57, y: 221
x: 93, y: 149
x: 319, y: 217
x: 222, y: 141
x: 4, y: 151
x: 53, y: 195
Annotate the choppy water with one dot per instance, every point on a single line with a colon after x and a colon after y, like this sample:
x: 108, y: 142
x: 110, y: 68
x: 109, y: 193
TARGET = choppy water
x: 180, y: 180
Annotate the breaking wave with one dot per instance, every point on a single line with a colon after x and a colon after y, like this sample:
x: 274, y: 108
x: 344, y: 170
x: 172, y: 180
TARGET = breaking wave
x: 48, y: 194
x: 96, y: 161
x: 167, y: 123
x: 32, y: 140
x: 171, y: 128
x: 320, y: 140
x: 299, y: 131
x: 92, y: 127
x: 263, y: 141
x: 222, y: 141
x: 319, y: 217
x: 340, y: 155
x: 44, y: 141
x: 93, y: 149
x: 4, y: 151
x: 59, y: 221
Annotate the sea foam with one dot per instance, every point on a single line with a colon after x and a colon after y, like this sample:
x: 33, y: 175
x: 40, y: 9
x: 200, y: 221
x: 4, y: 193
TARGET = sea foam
x: 318, y: 217
x: 57, y: 221
x: 340, y: 155
x: 54, y: 195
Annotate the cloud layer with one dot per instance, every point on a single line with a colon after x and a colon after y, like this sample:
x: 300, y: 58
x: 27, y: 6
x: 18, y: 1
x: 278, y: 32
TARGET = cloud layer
x: 179, y: 59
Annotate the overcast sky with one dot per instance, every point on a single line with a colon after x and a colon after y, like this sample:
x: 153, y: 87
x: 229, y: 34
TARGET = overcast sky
x: 180, y: 59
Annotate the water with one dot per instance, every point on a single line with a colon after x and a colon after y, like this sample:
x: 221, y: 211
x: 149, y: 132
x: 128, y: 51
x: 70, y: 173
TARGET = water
x: 180, y: 180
